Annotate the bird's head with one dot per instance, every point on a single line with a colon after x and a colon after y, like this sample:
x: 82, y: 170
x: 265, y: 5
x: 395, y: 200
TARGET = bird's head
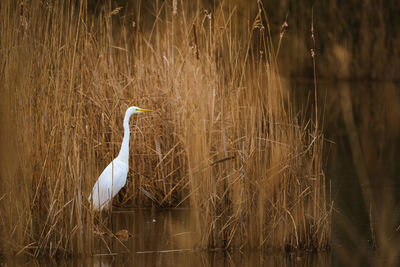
x: 137, y: 110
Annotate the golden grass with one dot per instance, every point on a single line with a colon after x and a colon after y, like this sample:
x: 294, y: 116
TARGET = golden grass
x: 225, y: 140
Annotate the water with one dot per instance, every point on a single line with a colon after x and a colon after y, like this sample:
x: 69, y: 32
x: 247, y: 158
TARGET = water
x: 363, y: 154
x: 166, y: 238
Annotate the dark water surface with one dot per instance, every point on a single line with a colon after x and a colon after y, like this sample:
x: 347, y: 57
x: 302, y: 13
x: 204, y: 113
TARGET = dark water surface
x: 167, y: 238
x: 362, y: 127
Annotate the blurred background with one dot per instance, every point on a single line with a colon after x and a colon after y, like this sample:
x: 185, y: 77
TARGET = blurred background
x: 354, y: 40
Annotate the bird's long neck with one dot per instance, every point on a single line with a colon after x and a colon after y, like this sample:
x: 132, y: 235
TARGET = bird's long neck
x: 124, y: 152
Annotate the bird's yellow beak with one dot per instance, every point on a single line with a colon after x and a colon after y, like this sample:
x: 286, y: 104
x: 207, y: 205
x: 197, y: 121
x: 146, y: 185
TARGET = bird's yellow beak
x: 145, y: 110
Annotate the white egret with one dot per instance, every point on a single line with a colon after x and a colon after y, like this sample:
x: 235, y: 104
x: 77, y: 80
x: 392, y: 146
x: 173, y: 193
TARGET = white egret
x: 113, y: 178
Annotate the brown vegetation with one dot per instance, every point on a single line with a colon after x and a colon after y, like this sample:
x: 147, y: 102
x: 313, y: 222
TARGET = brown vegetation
x: 225, y: 139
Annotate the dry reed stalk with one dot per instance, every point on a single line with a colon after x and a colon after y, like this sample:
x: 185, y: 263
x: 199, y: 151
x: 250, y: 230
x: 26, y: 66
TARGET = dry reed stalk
x: 225, y: 140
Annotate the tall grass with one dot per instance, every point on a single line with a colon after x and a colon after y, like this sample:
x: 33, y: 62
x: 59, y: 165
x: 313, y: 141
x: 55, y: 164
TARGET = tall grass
x: 225, y: 139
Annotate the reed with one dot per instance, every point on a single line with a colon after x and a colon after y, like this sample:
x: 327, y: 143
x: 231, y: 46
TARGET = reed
x: 225, y: 139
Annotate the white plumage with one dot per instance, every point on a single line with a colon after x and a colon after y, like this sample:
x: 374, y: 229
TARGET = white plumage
x: 113, y: 178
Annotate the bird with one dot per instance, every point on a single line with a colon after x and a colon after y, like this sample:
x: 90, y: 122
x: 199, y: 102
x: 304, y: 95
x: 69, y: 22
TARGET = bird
x: 113, y: 177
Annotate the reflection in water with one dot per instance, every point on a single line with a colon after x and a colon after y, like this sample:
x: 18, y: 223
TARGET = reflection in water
x: 154, y: 231
x: 167, y: 238
x: 363, y: 121
x: 195, y: 259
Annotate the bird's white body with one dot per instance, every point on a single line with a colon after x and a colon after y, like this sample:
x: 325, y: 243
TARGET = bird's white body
x: 113, y: 178
x: 110, y: 181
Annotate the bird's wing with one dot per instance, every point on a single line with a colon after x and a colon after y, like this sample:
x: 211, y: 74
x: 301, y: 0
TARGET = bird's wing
x: 110, y: 181
x: 120, y: 173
